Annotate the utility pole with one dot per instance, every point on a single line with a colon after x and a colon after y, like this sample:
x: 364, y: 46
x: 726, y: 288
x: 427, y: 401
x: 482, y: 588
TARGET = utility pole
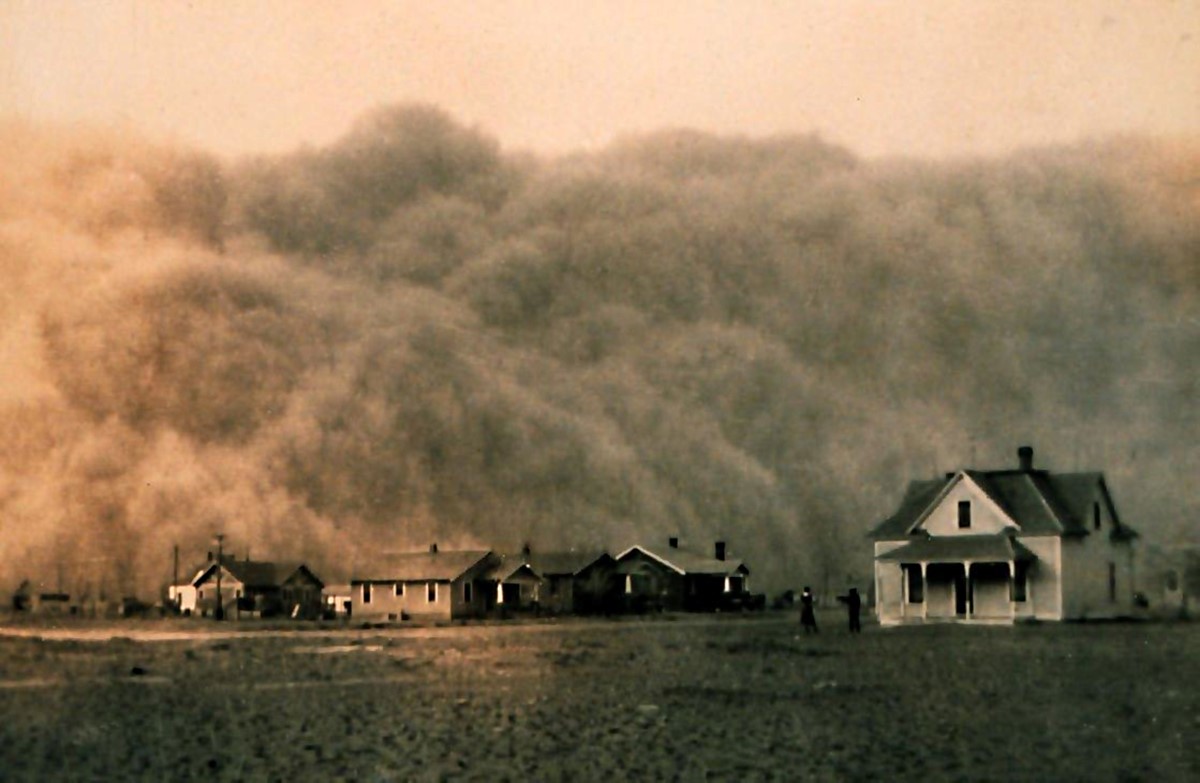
x: 220, y: 613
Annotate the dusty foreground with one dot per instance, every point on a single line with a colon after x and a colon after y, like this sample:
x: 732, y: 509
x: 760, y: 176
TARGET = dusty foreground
x: 709, y: 699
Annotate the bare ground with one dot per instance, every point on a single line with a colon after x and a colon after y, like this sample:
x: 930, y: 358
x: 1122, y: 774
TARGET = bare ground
x: 691, y: 699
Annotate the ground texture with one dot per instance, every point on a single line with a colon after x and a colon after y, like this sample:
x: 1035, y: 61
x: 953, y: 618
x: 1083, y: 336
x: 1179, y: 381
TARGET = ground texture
x: 683, y: 699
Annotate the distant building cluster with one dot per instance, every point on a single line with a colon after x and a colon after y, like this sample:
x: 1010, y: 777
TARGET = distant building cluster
x: 439, y: 584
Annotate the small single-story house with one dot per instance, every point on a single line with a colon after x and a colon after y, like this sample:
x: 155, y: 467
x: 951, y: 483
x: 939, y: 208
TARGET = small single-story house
x: 251, y: 588
x: 516, y: 585
x: 577, y: 582
x: 1004, y: 545
x: 182, y: 595
x: 681, y: 580
x: 439, y: 585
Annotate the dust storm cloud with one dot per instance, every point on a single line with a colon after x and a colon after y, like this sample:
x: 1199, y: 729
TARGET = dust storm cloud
x: 412, y: 335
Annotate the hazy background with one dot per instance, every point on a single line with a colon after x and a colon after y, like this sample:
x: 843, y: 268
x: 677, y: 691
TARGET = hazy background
x: 337, y: 281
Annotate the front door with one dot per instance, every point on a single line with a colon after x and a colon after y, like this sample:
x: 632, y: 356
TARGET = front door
x: 960, y: 595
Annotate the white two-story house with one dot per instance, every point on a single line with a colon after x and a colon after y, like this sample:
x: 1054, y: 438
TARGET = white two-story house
x: 1004, y: 545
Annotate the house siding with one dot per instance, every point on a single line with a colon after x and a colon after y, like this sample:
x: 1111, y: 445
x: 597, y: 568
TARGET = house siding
x: 1044, y: 580
x: 413, y: 603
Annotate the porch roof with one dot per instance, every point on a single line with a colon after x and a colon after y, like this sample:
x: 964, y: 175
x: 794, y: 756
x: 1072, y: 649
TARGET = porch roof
x: 957, y: 549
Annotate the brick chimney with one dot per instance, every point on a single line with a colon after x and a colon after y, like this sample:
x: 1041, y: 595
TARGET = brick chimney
x: 673, y: 542
x: 719, y: 550
x: 1025, y: 458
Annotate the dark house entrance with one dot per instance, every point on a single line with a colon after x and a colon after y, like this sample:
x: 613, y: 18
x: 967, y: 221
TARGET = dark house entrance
x: 961, y: 594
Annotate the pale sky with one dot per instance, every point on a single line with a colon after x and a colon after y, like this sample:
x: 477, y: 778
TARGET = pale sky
x: 912, y: 78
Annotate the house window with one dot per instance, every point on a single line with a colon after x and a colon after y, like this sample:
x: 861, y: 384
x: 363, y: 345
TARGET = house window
x: 1096, y: 515
x: 431, y: 593
x: 1019, y: 587
x: 1112, y: 582
x: 628, y: 584
x: 964, y: 514
x: 916, y: 585
x: 366, y: 592
x: 399, y: 589
x: 727, y: 584
x: 467, y: 592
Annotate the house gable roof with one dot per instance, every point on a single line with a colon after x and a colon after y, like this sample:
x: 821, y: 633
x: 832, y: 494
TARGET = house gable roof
x: 1037, y: 501
x: 683, y: 561
x: 565, y: 563
x: 441, y: 566
x: 257, y: 574
x: 511, y: 566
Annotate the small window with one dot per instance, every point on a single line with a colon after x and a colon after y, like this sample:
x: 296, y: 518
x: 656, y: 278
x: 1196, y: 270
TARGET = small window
x: 399, y: 589
x: 431, y: 593
x: 916, y: 586
x: 964, y: 514
x: 366, y: 592
x: 1096, y: 515
x: 467, y: 592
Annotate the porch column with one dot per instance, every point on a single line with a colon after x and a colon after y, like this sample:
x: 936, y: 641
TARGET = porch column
x: 499, y: 592
x: 969, y: 598
x: 1012, y: 604
x: 924, y: 593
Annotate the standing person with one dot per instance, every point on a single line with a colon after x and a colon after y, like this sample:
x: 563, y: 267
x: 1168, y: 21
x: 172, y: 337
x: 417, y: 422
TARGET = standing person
x: 808, y: 620
x: 854, y: 606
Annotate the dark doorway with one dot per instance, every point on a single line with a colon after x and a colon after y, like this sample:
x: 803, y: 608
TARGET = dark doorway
x: 961, y: 594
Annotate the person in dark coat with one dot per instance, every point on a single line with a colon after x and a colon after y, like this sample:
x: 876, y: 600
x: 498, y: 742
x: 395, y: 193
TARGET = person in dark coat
x: 808, y: 620
x: 854, y: 607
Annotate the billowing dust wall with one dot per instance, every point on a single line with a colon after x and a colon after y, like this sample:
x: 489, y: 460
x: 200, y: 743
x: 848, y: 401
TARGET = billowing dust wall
x: 412, y: 336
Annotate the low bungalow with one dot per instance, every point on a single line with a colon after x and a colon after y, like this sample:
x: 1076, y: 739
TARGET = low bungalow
x: 437, y: 585
x: 577, y: 582
x: 1004, y: 545
x: 681, y: 580
x: 516, y: 586
x: 250, y: 588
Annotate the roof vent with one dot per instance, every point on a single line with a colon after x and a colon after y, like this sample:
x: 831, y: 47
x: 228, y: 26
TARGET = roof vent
x: 1025, y: 458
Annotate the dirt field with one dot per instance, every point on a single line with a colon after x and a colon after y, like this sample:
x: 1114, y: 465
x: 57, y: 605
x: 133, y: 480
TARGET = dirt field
x: 689, y: 699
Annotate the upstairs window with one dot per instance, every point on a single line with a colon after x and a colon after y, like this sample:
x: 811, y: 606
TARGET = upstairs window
x: 366, y: 594
x: 431, y: 593
x: 398, y: 589
x: 964, y: 514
